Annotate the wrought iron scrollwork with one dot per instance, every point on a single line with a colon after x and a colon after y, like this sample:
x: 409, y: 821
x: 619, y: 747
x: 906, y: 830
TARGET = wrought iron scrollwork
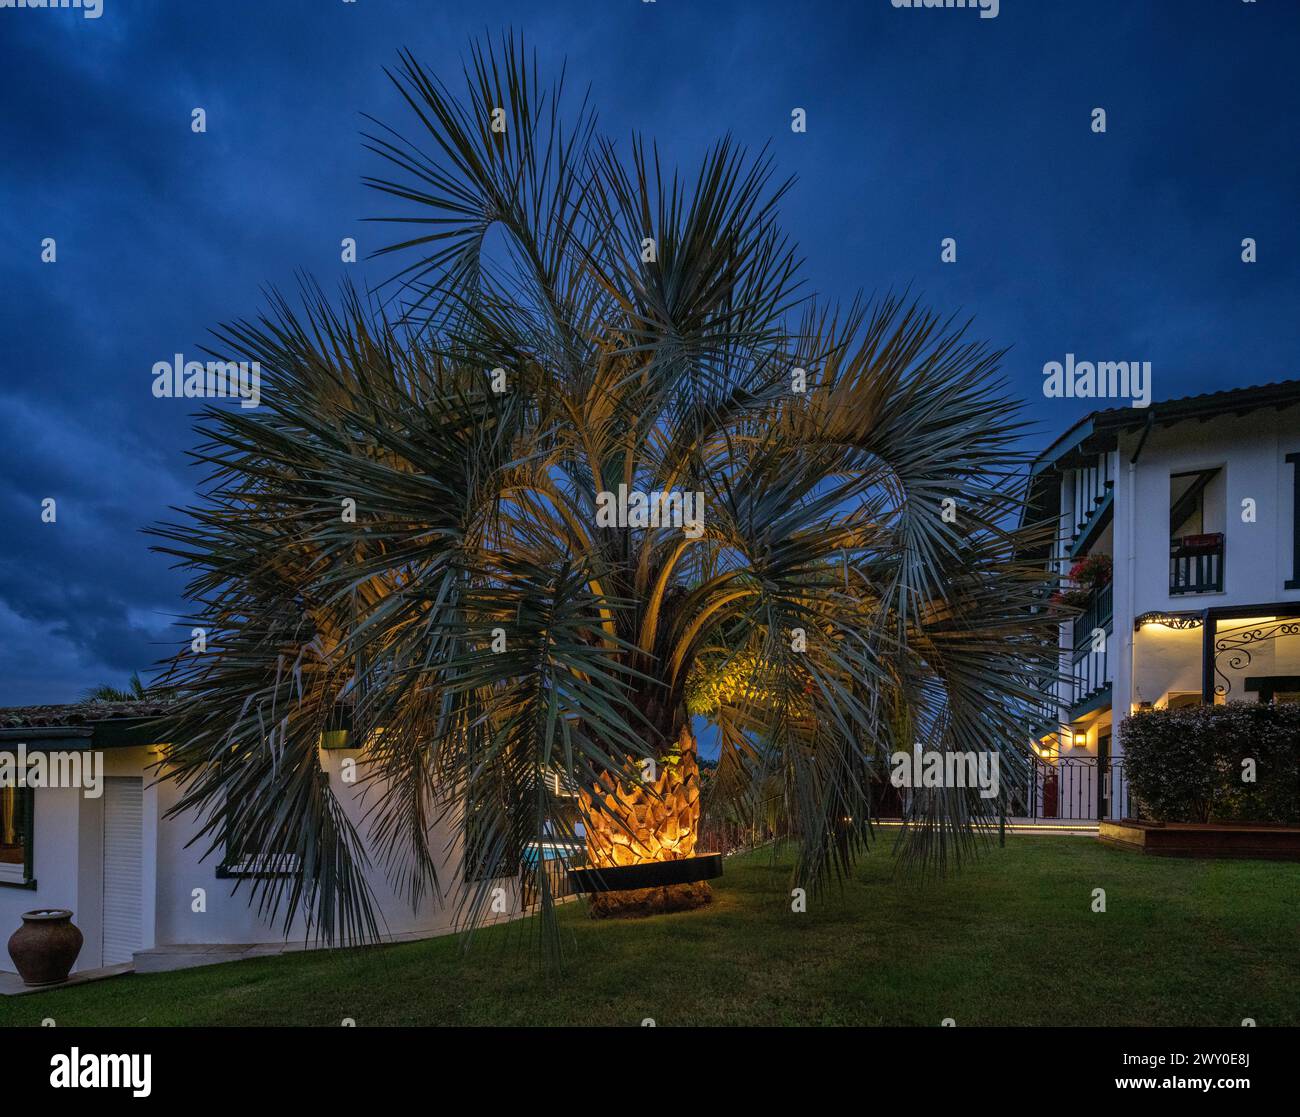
x: 1232, y: 647
x: 1169, y: 620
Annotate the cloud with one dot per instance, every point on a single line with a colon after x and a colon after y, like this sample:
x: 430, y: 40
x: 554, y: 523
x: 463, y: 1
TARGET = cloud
x: 85, y: 585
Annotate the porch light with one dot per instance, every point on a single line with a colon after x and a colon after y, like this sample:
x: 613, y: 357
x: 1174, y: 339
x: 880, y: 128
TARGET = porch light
x: 1167, y: 620
x: 1079, y: 739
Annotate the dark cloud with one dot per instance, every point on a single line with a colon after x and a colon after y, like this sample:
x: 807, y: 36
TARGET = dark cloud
x: 921, y: 125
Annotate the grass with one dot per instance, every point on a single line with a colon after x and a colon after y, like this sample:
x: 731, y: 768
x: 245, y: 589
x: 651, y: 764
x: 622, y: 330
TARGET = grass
x: 1010, y: 941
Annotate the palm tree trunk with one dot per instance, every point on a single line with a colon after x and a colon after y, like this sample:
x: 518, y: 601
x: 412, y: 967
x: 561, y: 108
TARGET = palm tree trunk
x: 647, y: 818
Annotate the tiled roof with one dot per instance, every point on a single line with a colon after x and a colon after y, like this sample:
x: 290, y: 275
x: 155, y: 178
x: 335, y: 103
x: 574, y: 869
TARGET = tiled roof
x: 77, y: 713
x: 1100, y: 426
x: 1230, y: 399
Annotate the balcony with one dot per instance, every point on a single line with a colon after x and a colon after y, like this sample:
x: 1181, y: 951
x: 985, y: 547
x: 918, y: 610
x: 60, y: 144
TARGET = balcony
x: 1093, y: 504
x: 1090, y: 673
x: 1097, y: 613
x: 1196, y: 564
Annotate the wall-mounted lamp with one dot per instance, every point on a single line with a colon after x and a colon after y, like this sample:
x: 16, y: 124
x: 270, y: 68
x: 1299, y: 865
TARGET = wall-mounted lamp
x: 1079, y: 740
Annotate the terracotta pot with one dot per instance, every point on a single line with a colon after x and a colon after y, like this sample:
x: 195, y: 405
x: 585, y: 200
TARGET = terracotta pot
x: 45, y: 946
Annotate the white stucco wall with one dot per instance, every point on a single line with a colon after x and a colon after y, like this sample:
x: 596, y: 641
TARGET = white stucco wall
x: 68, y: 867
x: 1251, y: 450
x: 57, y: 869
x: 229, y: 917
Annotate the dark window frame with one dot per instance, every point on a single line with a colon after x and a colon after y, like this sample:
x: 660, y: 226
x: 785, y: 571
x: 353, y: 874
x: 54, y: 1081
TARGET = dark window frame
x: 1293, y: 583
x: 28, y: 796
x: 239, y: 868
x: 476, y: 864
x: 1196, y: 490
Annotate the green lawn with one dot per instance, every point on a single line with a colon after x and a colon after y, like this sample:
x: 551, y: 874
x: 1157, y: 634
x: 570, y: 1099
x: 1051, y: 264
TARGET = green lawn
x: 1012, y: 940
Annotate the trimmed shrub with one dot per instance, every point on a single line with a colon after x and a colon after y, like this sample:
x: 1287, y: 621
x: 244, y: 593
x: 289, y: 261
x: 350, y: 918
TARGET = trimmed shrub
x: 1188, y: 765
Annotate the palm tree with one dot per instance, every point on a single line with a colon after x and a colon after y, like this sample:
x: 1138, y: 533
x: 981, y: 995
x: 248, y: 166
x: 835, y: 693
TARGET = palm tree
x: 105, y: 692
x: 410, y: 527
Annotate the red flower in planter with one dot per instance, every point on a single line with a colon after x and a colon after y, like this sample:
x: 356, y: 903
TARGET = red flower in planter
x: 1094, y: 571
x: 1088, y: 575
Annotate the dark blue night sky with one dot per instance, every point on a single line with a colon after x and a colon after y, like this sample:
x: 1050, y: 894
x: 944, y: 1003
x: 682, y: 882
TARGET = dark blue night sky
x: 921, y: 125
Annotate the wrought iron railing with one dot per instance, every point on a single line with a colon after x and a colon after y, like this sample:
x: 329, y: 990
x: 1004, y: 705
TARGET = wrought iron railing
x: 1196, y: 564
x: 557, y: 879
x: 1091, y: 674
x: 1077, y: 789
x: 1091, y: 485
x: 1096, y: 614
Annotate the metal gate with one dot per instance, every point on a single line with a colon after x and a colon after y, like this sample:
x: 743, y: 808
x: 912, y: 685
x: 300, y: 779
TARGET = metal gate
x: 1078, y: 789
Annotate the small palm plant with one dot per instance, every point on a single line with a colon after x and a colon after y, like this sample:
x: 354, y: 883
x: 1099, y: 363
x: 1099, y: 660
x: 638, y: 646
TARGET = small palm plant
x: 106, y: 692
x: 420, y: 525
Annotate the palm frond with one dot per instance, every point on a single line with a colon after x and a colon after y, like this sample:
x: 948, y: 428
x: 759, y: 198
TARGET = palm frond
x: 487, y: 635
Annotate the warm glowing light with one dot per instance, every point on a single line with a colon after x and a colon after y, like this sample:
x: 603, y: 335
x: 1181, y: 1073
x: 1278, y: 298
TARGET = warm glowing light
x: 1080, y: 739
x: 336, y: 739
x: 745, y: 679
x: 630, y: 822
x: 1168, y: 620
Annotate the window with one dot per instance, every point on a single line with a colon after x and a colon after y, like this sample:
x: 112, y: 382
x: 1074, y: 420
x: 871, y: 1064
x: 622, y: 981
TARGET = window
x: 1196, y: 523
x: 1293, y: 583
x: 242, y: 860
x: 16, y: 827
x: 1188, y: 503
x: 238, y: 864
x: 242, y: 857
x: 1274, y: 688
x: 486, y: 859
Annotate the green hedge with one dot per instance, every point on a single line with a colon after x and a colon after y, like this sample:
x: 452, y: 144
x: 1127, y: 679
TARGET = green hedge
x: 1186, y: 765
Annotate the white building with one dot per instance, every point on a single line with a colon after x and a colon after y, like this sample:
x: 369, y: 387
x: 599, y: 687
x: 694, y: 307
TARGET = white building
x: 1196, y: 502
x: 137, y: 889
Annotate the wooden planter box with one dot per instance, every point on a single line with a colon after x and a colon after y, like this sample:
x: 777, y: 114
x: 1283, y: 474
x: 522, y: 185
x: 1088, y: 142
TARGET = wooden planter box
x: 1204, y: 839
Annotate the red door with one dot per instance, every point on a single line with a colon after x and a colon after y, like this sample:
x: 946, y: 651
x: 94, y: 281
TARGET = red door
x: 1051, y: 793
